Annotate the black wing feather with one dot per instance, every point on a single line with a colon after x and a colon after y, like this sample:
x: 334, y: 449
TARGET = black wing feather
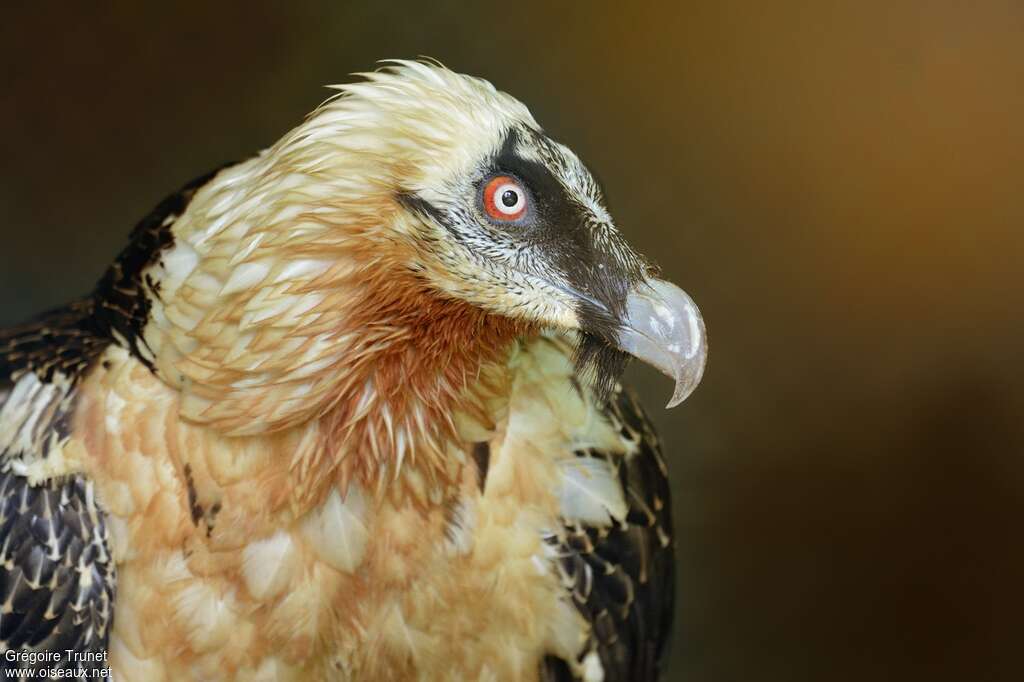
x: 57, y: 578
x: 621, y: 578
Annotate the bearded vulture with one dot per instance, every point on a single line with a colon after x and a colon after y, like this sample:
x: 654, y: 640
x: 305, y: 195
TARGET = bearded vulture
x: 350, y: 410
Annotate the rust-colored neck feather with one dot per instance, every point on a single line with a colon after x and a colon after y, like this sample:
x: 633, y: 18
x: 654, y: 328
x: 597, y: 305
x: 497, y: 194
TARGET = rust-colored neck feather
x: 417, y: 361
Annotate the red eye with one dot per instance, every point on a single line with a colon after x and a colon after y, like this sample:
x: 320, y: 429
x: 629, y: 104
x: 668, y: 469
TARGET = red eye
x: 504, y: 198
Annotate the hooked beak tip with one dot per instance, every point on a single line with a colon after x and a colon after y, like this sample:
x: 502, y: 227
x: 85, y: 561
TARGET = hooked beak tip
x: 664, y: 328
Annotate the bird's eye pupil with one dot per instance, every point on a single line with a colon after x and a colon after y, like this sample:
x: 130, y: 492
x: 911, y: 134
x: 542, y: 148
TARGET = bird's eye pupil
x: 510, y: 198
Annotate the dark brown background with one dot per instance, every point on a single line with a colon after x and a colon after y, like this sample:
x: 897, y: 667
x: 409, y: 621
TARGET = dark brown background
x: 838, y: 185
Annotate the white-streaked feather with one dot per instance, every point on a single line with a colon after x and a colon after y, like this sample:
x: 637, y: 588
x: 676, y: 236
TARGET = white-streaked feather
x: 246, y: 276
x: 591, y: 492
x: 337, y: 532
x: 267, y: 565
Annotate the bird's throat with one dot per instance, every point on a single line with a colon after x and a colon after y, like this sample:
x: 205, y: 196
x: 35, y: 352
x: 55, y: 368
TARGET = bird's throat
x: 420, y: 367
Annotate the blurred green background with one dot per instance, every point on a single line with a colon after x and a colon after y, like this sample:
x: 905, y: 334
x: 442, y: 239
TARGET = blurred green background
x: 837, y: 184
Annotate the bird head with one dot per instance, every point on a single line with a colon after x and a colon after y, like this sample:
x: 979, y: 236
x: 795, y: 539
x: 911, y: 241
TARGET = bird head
x: 415, y: 174
x: 507, y: 219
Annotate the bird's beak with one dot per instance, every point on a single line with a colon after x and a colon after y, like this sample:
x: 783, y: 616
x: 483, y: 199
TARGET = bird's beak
x: 663, y: 327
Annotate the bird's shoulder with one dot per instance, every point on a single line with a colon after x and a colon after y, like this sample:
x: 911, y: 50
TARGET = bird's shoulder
x: 42, y: 363
x: 57, y: 577
x: 56, y: 574
x: 612, y: 543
